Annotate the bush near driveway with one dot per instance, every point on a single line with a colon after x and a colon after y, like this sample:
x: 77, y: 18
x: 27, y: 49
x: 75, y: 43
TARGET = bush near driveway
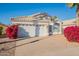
x: 72, y: 33
x: 11, y: 31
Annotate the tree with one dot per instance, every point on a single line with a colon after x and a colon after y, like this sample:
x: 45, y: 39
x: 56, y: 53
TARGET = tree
x: 53, y: 19
x: 71, y: 5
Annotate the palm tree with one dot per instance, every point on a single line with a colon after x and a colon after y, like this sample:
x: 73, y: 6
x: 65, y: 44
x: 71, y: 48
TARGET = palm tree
x: 71, y: 5
x: 53, y: 19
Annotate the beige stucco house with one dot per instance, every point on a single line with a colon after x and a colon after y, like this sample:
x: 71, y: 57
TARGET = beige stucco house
x: 38, y: 24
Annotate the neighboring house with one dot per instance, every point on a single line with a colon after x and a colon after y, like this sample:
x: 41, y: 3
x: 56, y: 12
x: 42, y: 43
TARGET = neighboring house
x: 69, y: 22
x: 38, y: 24
x: 4, y: 27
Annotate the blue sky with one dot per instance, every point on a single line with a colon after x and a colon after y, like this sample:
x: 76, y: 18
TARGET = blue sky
x: 8, y: 10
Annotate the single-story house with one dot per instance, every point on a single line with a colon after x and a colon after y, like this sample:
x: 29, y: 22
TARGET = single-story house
x: 38, y: 24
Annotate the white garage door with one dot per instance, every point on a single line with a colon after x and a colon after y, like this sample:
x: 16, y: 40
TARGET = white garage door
x: 26, y: 31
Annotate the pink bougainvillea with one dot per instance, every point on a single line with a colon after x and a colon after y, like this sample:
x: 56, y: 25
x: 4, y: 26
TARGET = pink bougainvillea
x: 72, y: 33
x: 11, y: 31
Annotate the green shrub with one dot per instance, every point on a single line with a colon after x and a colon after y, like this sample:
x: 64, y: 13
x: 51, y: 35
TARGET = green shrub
x: 1, y: 30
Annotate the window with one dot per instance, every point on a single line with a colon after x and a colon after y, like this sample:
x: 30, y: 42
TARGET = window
x: 56, y: 27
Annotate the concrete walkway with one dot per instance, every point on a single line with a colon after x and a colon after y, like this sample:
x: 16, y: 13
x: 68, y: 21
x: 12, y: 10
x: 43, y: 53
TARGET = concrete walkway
x: 47, y: 46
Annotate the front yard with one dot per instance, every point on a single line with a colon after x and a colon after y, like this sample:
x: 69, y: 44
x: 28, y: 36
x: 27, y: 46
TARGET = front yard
x: 49, y: 45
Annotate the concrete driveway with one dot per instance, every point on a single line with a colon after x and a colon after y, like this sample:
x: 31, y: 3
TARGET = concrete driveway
x: 55, y: 45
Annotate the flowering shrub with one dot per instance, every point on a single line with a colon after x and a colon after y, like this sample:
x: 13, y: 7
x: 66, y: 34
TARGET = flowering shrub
x: 11, y: 31
x: 72, y: 33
